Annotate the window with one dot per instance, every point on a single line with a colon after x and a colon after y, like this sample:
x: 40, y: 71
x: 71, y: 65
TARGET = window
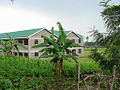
x: 79, y: 40
x: 36, y: 54
x: 15, y: 53
x: 25, y: 41
x: 26, y: 54
x: 20, y: 54
x: 73, y: 52
x: 36, y: 41
x: 79, y: 51
x: 20, y: 41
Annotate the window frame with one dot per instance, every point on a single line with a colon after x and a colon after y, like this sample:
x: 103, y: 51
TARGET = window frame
x: 79, y: 40
x: 36, y: 54
x: 20, y: 54
x: 80, y: 51
x: 36, y: 41
x: 25, y: 54
x: 25, y: 41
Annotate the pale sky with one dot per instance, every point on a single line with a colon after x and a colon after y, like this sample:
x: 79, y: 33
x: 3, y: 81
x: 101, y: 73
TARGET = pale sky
x: 76, y: 15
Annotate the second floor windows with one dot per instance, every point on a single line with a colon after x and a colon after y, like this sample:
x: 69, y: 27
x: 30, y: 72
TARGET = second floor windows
x: 20, y: 41
x: 36, y: 41
x: 79, y: 40
x: 23, y: 41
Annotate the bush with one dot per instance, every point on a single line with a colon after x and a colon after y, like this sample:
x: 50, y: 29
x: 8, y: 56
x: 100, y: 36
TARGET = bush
x: 17, y: 72
x: 5, y: 83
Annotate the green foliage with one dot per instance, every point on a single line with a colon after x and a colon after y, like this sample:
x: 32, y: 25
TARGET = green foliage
x: 110, y: 40
x: 5, y: 83
x: 9, y: 45
x: 19, y: 66
x: 111, y: 16
x: 23, y: 73
x: 58, y: 49
x: 90, y: 44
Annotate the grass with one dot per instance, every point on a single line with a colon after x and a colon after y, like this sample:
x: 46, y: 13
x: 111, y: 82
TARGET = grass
x: 23, y: 73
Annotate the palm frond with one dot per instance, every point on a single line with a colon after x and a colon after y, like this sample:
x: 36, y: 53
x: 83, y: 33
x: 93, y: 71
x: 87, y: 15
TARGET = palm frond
x: 41, y: 45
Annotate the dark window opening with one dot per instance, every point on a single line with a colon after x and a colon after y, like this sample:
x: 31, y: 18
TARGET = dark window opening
x: 80, y: 51
x: 79, y: 40
x: 26, y: 54
x: 25, y: 41
x: 20, y: 54
x: 20, y: 41
x: 73, y: 52
x: 15, y: 53
x: 36, y: 54
x: 36, y: 41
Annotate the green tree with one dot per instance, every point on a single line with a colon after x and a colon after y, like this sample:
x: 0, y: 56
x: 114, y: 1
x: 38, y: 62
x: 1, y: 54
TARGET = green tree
x: 111, y: 39
x: 58, y: 49
x: 9, y: 45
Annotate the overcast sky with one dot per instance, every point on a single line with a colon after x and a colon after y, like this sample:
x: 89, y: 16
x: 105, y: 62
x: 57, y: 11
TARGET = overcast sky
x: 76, y: 15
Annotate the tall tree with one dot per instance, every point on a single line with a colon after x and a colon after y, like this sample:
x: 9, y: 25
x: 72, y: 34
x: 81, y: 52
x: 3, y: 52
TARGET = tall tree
x: 111, y: 39
x: 58, y: 49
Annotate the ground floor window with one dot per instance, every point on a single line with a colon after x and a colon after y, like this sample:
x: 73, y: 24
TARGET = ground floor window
x: 74, y: 52
x: 15, y: 53
x: 36, y: 54
x: 20, y: 54
x: 26, y: 54
x: 80, y: 51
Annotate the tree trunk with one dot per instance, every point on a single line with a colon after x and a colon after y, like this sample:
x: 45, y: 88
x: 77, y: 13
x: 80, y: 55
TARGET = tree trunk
x: 9, y: 54
x: 59, y: 66
x: 113, y: 77
x: 78, y: 84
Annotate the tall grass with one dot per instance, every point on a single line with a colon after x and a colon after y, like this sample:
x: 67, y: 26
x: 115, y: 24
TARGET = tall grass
x: 23, y: 73
x: 20, y: 66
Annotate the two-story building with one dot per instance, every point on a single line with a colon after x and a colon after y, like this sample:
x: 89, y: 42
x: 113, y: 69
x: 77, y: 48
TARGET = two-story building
x: 32, y: 37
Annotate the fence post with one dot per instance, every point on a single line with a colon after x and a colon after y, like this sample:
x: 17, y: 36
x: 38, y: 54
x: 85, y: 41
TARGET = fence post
x: 113, y: 77
x: 78, y: 84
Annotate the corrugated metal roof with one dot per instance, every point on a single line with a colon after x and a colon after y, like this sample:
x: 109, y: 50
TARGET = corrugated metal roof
x: 57, y: 33
x: 20, y: 34
x: 27, y: 33
x: 79, y: 35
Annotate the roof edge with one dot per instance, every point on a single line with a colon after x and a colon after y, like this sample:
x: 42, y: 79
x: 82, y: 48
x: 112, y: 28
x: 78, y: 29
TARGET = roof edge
x: 36, y: 33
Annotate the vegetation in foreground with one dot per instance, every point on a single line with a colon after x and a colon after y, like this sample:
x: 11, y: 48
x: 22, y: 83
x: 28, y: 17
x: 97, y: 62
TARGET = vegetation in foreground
x: 58, y: 50
x: 24, y: 73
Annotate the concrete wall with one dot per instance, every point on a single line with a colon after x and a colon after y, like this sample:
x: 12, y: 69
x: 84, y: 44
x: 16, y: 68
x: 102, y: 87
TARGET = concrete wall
x: 76, y: 38
x: 31, y: 51
x: 36, y: 36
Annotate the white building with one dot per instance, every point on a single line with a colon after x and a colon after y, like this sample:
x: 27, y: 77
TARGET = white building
x: 32, y: 37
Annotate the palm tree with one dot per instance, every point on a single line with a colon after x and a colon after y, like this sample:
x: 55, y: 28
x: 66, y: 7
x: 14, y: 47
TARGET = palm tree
x: 57, y: 49
x: 9, y: 45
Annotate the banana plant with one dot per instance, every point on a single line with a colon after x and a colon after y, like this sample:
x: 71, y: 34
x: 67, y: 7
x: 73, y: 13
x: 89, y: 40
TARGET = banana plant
x: 58, y: 50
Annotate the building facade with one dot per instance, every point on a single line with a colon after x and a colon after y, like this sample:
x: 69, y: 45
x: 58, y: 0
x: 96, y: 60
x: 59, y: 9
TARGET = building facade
x: 32, y: 37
